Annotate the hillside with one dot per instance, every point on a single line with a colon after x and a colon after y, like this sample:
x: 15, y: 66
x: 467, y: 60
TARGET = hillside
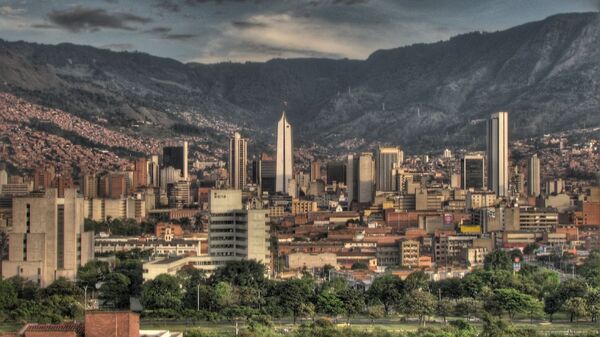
x: 422, y: 97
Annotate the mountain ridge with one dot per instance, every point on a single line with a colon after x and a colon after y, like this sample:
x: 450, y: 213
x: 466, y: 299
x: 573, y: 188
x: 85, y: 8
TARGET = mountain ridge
x: 422, y: 97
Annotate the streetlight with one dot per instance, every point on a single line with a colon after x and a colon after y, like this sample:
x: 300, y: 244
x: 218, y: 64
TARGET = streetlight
x: 198, y: 297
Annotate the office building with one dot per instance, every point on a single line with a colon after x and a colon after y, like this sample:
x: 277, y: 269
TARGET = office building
x: 43, y: 177
x: 266, y: 173
x: 315, y: 170
x: 533, y: 176
x: 3, y: 176
x: 386, y: 160
x: 178, y: 194
x: 140, y: 173
x: 472, y: 172
x: 238, y: 158
x: 336, y: 172
x: 89, y: 185
x: 365, y: 178
x: 236, y: 232
x: 555, y: 186
x: 497, y: 153
x: 153, y: 171
x: 284, y: 167
x: 48, y: 240
x: 177, y: 157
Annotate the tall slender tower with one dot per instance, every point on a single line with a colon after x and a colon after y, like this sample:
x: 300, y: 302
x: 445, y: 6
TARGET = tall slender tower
x: 533, y: 176
x: 497, y: 153
x: 238, y: 159
x: 387, y: 159
x: 284, y: 162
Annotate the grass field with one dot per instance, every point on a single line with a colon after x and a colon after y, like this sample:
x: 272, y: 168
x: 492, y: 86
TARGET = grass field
x: 392, y: 325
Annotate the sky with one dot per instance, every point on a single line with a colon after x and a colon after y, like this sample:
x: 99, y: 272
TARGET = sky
x: 211, y: 31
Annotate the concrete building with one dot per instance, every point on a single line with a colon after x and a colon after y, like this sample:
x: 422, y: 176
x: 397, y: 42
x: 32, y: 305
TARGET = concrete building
x: 315, y: 170
x: 140, y: 173
x: 387, y: 159
x: 479, y: 199
x: 153, y: 171
x: 177, y: 158
x: 238, y: 162
x: 234, y: 231
x: 47, y: 239
x: 533, y: 176
x: 178, y: 194
x: 409, y: 253
x: 303, y: 206
x: 284, y: 167
x: 365, y: 178
x: 497, y: 153
x: 472, y: 168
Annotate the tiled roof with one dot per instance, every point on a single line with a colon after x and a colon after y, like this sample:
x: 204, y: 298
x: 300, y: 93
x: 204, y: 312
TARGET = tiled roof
x: 76, y: 327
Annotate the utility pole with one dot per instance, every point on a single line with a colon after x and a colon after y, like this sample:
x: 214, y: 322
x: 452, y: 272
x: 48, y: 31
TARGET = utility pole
x: 198, y: 297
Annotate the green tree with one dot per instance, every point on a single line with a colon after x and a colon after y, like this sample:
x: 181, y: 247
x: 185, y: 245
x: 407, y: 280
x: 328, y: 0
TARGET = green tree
x: 329, y: 303
x: 416, y: 281
x: 115, y: 290
x: 386, y: 290
x: 132, y: 268
x: 467, y: 307
x: 163, y: 292
x: 8, y: 295
x: 295, y: 295
x: 498, y: 260
x: 63, y: 287
x: 359, y: 266
x: 445, y: 308
x: 576, y: 307
x: 353, y: 301
x: 245, y: 273
x: 510, y: 301
x: 552, y: 304
x: 92, y: 273
x: 593, y: 303
x: 419, y: 303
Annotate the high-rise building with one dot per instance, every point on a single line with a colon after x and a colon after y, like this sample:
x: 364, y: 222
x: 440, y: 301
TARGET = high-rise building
x: 178, y: 194
x: 336, y: 172
x: 497, y: 153
x: 266, y: 168
x: 153, y: 171
x: 177, y: 157
x: 472, y: 168
x: 351, y: 178
x: 117, y: 185
x: 140, y: 173
x: 48, y: 240
x: 238, y: 159
x: 315, y: 170
x: 284, y: 169
x: 533, y: 176
x: 3, y: 176
x: 387, y: 159
x: 365, y: 177
x: 236, y: 232
x: 43, y: 177
x: 89, y: 185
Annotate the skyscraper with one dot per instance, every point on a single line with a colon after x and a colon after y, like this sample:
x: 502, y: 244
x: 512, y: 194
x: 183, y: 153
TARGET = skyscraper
x: 359, y: 177
x: 471, y: 172
x: 238, y: 159
x: 497, y: 153
x: 387, y: 159
x: 533, y: 176
x: 315, y: 170
x: 153, y: 171
x: 284, y: 169
x: 266, y: 173
x: 140, y: 173
x: 177, y: 157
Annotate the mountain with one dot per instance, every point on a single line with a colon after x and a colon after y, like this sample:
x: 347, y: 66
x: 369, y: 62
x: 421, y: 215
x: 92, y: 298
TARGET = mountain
x: 546, y: 74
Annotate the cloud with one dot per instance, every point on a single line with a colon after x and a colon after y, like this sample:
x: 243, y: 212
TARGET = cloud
x: 178, y: 36
x: 79, y: 18
x: 158, y: 30
x: 9, y: 10
x: 168, y: 5
x: 118, y: 46
x: 248, y: 24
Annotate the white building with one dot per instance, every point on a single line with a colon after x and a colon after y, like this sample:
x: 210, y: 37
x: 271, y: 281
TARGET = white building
x: 284, y: 167
x: 497, y: 153
x: 533, y: 176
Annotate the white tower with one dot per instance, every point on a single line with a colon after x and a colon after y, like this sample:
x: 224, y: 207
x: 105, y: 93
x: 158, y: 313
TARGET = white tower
x: 285, y: 158
x: 497, y: 153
